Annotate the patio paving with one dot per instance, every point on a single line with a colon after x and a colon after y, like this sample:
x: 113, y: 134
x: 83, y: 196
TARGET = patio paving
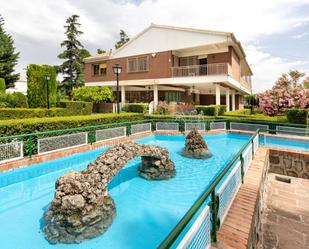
x: 285, y: 222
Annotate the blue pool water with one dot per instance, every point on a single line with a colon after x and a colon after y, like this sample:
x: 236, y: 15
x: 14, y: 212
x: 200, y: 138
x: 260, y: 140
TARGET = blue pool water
x: 146, y: 210
x: 284, y: 143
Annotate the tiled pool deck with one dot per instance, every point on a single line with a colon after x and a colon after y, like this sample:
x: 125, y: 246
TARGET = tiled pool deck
x: 285, y: 222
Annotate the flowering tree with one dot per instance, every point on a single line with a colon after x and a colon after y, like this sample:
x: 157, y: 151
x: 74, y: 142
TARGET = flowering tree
x: 288, y: 92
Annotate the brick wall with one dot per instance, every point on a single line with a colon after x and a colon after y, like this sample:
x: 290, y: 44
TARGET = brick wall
x: 289, y: 163
x: 159, y: 67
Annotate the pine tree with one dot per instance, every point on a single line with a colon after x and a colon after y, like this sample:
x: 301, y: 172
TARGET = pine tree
x: 74, y: 53
x: 124, y: 38
x: 8, y: 57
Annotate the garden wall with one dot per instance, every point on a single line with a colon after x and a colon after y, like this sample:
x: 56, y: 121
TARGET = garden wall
x: 289, y: 163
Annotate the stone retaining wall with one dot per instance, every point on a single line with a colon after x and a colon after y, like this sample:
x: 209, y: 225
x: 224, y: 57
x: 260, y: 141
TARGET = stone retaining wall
x: 290, y: 163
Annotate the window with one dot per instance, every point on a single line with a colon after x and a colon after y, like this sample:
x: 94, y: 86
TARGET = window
x: 188, y: 61
x: 138, y: 64
x: 99, y: 69
x: 172, y: 96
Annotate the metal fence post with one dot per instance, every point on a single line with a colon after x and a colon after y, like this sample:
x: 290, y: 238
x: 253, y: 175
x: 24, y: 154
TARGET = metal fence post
x: 30, y: 146
x: 214, y: 214
x: 242, y: 168
x: 252, y: 143
x: 92, y: 136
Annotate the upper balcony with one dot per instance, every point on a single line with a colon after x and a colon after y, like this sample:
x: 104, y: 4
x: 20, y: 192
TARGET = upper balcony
x: 202, y: 70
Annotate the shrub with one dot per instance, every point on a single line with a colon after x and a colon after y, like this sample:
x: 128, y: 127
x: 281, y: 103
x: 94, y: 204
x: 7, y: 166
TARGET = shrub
x: 238, y: 112
x: 17, y: 99
x: 37, y: 90
x: 135, y: 107
x: 251, y: 100
x: 298, y: 116
x: 211, y: 110
x: 2, y: 85
x: 76, y: 107
x: 32, y: 125
x: 94, y: 94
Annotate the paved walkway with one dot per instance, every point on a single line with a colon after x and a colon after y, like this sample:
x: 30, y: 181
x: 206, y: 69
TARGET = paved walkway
x: 235, y: 231
x: 285, y: 222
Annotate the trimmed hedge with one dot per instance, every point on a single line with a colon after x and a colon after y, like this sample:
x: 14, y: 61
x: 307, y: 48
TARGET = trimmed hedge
x: 33, y: 125
x: 37, y: 90
x: 211, y: 110
x: 70, y: 108
x: 244, y: 114
x: 76, y: 107
x: 2, y: 85
x: 244, y: 117
x: 176, y: 117
x: 297, y: 116
x: 135, y: 107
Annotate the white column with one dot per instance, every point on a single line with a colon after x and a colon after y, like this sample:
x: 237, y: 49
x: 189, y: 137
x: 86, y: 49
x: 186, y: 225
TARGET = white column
x: 155, y: 97
x: 123, y: 95
x: 233, y: 100
x: 218, y: 94
x: 227, y: 99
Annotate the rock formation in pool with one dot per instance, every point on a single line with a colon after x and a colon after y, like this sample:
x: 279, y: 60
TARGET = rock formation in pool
x: 196, y: 146
x: 82, y: 208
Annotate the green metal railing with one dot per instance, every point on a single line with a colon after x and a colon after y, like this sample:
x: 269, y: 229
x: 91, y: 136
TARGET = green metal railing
x: 30, y: 139
x: 208, y: 192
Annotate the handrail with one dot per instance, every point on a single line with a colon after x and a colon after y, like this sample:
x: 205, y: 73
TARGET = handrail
x: 173, y: 235
x: 199, y: 66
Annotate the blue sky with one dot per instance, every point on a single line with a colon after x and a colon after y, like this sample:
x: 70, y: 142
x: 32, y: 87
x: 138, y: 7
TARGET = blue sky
x: 275, y: 34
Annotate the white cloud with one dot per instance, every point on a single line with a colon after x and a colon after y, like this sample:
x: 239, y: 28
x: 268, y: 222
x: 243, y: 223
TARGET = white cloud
x: 299, y: 36
x: 268, y: 68
x: 37, y: 25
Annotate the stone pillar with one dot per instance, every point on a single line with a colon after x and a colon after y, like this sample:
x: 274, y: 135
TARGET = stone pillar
x: 218, y: 95
x: 227, y: 100
x: 233, y: 100
x: 155, y: 97
x: 123, y: 95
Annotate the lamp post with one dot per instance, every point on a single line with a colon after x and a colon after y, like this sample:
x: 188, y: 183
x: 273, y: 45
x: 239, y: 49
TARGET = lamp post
x: 117, y: 70
x: 47, y: 78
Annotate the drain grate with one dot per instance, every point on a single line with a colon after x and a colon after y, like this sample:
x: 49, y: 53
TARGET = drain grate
x: 283, y: 179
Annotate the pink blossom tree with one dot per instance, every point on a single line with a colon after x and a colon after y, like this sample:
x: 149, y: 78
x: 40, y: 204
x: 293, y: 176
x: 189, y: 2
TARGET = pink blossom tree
x: 288, y: 92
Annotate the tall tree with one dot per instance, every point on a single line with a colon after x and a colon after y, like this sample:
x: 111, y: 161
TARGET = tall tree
x: 290, y: 80
x: 74, y: 53
x: 124, y: 38
x: 100, y: 51
x: 8, y: 57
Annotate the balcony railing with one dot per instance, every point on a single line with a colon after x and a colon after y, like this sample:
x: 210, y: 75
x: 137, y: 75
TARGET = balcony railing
x: 201, y: 70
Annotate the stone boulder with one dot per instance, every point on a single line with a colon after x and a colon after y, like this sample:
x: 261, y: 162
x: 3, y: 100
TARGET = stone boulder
x: 82, y: 208
x: 196, y: 146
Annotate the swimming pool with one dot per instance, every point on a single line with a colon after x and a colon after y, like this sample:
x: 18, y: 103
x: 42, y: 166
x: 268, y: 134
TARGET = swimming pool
x: 146, y: 210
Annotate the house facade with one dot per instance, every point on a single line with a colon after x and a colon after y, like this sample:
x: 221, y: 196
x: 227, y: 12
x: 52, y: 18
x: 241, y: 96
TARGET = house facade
x: 164, y: 63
